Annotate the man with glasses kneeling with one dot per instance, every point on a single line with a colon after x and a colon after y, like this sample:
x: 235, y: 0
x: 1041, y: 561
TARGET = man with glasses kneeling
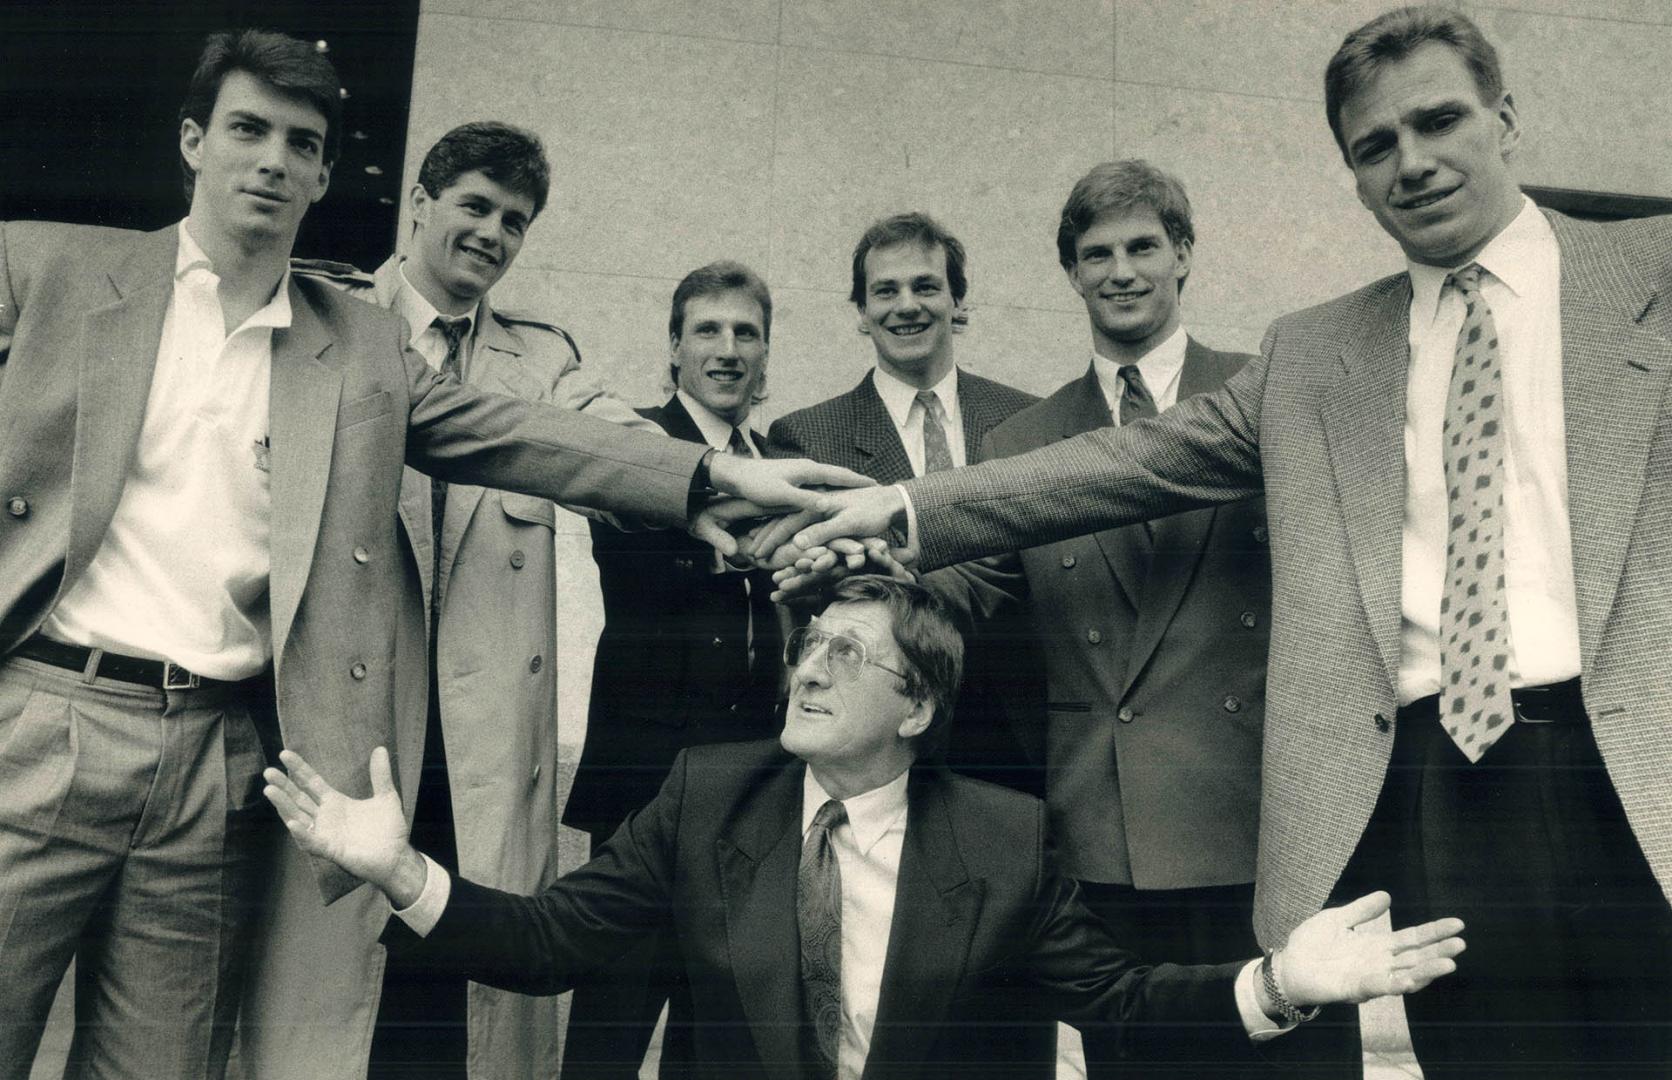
x: 842, y: 905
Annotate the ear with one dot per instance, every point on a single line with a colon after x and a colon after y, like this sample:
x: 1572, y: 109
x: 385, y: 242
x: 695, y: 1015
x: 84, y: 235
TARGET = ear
x: 1181, y: 254
x: 960, y: 317
x: 1510, y: 137
x: 918, y: 720
x: 673, y: 348
x: 191, y: 144
x: 864, y: 327
x: 324, y: 182
x: 419, y: 200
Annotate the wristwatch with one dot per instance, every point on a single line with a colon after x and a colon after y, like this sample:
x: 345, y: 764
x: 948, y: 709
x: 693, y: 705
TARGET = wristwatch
x: 1285, y: 1008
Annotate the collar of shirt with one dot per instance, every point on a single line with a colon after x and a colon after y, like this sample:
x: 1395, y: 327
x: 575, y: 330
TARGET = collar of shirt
x: 715, y: 431
x: 898, y: 396
x: 420, y: 314
x: 1520, y: 257
x: 870, y: 814
x: 1160, y: 368
x: 192, y: 267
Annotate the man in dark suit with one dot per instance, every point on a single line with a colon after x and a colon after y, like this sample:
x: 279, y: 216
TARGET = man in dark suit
x: 1153, y: 636
x: 839, y: 912
x: 916, y: 411
x: 200, y: 555
x: 1466, y: 702
x: 689, y: 655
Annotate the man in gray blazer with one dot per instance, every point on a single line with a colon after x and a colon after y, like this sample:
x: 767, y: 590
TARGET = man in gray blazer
x: 1466, y: 700
x: 200, y: 456
x: 1153, y: 635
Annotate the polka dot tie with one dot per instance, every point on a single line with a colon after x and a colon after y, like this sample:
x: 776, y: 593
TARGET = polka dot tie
x: 818, y: 913
x: 1475, y: 705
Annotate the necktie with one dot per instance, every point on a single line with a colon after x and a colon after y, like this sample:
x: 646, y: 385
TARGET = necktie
x: 1135, y: 400
x: 453, y: 330
x: 818, y: 913
x: 937, y: 454
x: 1475, y: 704
x: 738, y: 445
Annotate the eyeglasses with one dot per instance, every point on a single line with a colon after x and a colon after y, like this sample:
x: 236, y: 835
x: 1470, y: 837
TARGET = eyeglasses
x: 843, y: 656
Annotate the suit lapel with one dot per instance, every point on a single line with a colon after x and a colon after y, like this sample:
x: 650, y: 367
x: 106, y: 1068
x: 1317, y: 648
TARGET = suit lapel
x: 1364, y: 425
x: 302, y: 416
x: 1086, y: 409
x: 758, y: 865
x: 875, y: 438
x: 1178, y: 540
x: 936, y: 907
x: 676, y: 420
x: 1615, y: 368
x: 113, y: 383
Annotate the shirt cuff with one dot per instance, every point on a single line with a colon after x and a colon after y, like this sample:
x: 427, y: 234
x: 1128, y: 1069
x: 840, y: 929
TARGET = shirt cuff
x: 425, y: 911
x: 911, y: 517
x: 1259, y: 1026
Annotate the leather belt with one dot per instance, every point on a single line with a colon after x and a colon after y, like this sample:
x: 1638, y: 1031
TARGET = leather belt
x: 157, y: 674
x: 1557, y: 703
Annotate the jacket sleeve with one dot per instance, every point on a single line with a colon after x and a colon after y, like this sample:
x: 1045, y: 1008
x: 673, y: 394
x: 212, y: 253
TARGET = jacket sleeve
x: 540, y: 944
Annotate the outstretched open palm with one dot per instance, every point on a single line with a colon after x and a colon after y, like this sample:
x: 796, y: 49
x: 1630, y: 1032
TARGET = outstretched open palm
x: 366, y: 837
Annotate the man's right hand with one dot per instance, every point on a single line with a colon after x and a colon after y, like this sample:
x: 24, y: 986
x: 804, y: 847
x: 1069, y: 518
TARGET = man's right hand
x: 366, y: 837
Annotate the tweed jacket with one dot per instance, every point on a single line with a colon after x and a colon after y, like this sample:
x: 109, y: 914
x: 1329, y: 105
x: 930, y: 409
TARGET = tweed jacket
x: 985, y: 930
x: 1154, y: 650
x: 1317, y: 423
x: 674, y: 665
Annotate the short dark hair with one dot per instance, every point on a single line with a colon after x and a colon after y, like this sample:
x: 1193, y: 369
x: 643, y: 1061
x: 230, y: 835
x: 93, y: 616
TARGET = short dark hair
x: 511, y: 157
x: 931, y: 642
x: 289, y: 65
x: 913, y: 228
x: 1116, y: 187
x: 1390, y: 38
x: 715, y: 278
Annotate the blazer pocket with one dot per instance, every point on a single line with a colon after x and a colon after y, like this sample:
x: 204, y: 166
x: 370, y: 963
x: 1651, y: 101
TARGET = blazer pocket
x: 1068, y: 706
x: 528, y: 508
x: 360, y: 410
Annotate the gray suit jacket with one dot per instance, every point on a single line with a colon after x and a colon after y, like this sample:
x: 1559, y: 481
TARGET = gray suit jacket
x: 1154, y: 651
x: 1317, y: 423
x: 81, y: 311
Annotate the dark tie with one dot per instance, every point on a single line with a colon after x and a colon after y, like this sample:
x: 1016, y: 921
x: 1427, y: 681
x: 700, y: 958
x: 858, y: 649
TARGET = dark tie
x: 1475, y: 646
x: 454, y: 331
x: 738, y: 443
x: 937, y: 454
x: 1135, y: 400
x: 818, y: 913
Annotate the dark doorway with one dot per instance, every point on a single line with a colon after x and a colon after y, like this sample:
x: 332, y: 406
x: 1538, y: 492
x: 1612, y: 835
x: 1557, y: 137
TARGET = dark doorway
x: 90, y: 91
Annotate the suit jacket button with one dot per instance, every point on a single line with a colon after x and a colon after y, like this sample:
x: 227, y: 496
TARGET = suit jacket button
x: 17, y: 506
x: 517, y: 560
x: 1125, y: 715
x: 357, y: 670
x: 1233, y: 703
x: 684, y: 563
x: 1382, y: 724
x: 1068, y: 562
x: 1250, y: 620
x: 361, y: 555
x: 1094, y: 636
x: 534, y: 664
x: 1260, y: 534
x: 718, y: 642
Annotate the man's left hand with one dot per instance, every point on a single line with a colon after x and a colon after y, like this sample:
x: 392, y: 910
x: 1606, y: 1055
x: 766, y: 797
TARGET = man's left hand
x: 1337, y: 956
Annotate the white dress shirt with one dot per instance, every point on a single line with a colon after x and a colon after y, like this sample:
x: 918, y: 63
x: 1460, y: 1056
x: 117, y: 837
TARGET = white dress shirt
x: 1160, y: 369
x: 1522, y: 285
x: 420, y: 316
x: 716, y: 432
x: 182, y: 572
x: 899, y: 398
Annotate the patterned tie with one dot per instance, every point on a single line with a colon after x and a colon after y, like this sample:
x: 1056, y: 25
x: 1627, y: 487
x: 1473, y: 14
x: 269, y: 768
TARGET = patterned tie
x: 818, y: 913
x: 454, y: 330
x: 1135, y: 400
x: 937, y: 454
x: 1475, y: 646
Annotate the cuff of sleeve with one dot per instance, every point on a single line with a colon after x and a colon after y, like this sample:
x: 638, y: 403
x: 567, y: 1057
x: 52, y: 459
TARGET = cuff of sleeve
x: 1259, y: 1026
x: 911, y: 517
x: 425, y: 911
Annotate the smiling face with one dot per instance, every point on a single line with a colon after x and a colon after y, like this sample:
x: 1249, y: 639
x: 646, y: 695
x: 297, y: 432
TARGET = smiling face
x: 720, y: 353
x: 1128, y: 273
x: 856, y: 730
x: 1430, y: 159
x: 464, y: 239
x: 908, y: 311
x: 259, y: 165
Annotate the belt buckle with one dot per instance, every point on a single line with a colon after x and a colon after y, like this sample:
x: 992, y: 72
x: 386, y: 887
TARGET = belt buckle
x: 176, y: 677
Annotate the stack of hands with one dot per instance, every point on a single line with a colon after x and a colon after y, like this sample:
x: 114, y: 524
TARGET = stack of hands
x: 812, y: 524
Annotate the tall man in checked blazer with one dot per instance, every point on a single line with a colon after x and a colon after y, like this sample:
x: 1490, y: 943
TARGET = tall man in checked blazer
x: 690, y: 654
x: 843, y: 909
x: 489, y: 592
x: 908, y: 283
x: 201, y: 457
x: 1546, y: 824
x: 1153, y: 635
